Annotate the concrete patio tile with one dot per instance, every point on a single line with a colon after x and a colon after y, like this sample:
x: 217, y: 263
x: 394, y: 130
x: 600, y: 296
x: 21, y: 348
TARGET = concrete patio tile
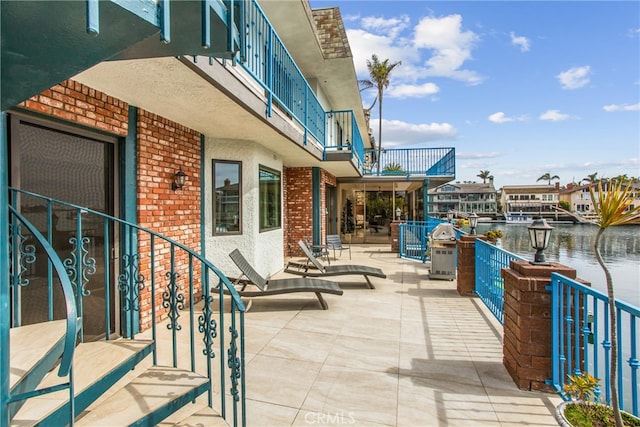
x: 415, y: 361
x: 280, y: 381
x: 314, y: 418
x: 300, y: 345
x: 365, y: 396
x: 364, y: 353
x: 372, y: 327
x: 268, y: 414
x: 430, y: 402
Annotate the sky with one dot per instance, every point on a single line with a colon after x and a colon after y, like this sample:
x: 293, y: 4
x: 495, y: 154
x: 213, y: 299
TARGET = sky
x: 517, y: 88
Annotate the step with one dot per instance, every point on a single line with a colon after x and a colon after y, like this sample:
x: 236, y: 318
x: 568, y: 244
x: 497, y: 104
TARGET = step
x: 34, y: 351
x: 204, y: 417
x: 97, y: 366
x: 147, y: 399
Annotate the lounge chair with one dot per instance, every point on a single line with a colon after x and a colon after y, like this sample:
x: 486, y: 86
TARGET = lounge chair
x: 321, y: 270
x: 281, y: 286
x: 334, y: 242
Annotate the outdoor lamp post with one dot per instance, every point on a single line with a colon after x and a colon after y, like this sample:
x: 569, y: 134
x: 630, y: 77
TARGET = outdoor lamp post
x: 539, y: 234
x: 473, y: 223
x: 450, y: 216
x: 398, y: 213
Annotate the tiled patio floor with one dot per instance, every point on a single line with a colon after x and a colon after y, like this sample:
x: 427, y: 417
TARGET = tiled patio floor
x: 409, y: 353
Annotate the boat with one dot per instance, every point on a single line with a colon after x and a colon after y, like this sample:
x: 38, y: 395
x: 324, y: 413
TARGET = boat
x: 518, y: 218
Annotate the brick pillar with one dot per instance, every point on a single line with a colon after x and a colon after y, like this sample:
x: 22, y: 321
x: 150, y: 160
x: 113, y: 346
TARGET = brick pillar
x: 395, y: 236
x: 527, y: 322
x: 467, y: 264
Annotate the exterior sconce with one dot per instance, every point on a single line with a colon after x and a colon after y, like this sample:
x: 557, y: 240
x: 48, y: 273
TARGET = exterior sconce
x: 473, y: 223
x: 398, y: 213
x: 179, y: 180
x: 539, y: 234
x: 450, y: 216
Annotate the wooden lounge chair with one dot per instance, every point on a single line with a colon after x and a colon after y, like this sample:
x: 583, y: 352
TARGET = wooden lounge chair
x: 317, y: 269
x: 281, y: 286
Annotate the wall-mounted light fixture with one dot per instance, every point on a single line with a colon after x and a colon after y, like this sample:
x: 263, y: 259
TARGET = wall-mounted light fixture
x: 179, y: 179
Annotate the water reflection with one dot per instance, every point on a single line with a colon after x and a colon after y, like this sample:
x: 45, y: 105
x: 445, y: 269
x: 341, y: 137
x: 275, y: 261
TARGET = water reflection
x: 572, y: 245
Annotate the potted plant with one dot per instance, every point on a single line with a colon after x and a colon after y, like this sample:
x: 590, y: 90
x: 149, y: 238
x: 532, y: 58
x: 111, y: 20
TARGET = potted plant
x: 493, y: 235
x: 614, y: 205
x: 584, y: 408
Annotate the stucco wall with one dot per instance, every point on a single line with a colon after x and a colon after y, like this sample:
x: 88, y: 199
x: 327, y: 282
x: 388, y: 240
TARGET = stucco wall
x: 263, y: 250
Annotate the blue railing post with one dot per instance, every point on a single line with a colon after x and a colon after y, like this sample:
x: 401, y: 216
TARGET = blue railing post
x: 5, y: 321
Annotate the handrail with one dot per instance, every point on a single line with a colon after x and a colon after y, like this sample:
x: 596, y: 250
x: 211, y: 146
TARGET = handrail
x: 169, y: 272
x: 67, y: 289
x: 580, y: 340
x: 438, y: 161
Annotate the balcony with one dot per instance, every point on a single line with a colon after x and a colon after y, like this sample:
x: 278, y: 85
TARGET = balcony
x: 411, y: 163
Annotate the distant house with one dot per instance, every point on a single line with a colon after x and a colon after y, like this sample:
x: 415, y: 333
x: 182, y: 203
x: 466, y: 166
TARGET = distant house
x: 530, y: 198
x: 466, y: 198
x: 579, y: 197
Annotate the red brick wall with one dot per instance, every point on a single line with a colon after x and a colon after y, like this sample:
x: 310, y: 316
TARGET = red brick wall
x: 163, y: 148
x: 298, y: 203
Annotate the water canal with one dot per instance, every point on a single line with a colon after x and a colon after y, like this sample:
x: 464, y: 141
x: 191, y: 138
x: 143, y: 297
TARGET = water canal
x: 572, y: 245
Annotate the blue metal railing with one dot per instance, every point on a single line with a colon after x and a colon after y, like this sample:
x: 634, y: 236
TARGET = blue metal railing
x: 271, y: 65
x: 411, y: 161
x: 343, y: 135
x: 414, y: 238
x: 156, y: 277
x: 490, y: 260
x: 581, y: 340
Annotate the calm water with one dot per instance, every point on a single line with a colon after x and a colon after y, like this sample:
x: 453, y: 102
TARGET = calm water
x: 572, y: 245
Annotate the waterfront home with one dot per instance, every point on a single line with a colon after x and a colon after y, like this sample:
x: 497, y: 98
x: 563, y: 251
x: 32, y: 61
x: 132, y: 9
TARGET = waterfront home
x: 529, y: 199
x: 579, y: 197
x: 464, y: 198
x: 142, y: 143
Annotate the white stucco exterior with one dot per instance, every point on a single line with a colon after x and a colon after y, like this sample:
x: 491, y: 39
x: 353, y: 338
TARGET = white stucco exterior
x: 263, y: 250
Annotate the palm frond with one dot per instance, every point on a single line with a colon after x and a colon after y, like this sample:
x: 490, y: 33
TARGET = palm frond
x: 615, y: 205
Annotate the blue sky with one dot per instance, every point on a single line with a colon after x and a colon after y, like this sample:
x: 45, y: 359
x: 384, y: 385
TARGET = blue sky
x: 518, y: 88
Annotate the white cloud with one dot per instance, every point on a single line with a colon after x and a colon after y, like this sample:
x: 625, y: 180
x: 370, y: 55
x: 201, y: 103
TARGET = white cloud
x: 398, y: 133
x: 622, y: 107
x: 500, y: 117
x: 574, y: 78
x: 392, y: 26
x: 451, y: 47
x: 554, y: 116
x: 412, y: 91
x: 520, y: 41
x: 364, y: 43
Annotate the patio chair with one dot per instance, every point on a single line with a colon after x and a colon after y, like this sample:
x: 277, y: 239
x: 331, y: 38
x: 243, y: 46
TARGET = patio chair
x: 319, y: 251
x: 280, y: 286
x: 321, y: 270
x: 334, y: 242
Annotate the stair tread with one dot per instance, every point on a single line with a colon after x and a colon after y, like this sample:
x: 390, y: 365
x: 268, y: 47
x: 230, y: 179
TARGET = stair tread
x: 150, y: 391
x: 30, y: 344
x: 204, y: 417
x: 92, y: 361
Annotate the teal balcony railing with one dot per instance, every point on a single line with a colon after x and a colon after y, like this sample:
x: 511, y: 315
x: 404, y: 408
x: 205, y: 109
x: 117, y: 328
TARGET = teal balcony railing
x: 414, y: 238
x: 490, y: 260
x: 581, y: 341
x: 343, y: 136
x: 123, y: 278
x: 411, y: 161
x: 266, y: 58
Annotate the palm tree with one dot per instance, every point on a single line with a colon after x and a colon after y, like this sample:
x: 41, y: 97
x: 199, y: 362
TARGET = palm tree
x: 379, y: 73
x: 592, y: 178
x: 613, y: 206
x: 484, y: 175
x: 548, y: 177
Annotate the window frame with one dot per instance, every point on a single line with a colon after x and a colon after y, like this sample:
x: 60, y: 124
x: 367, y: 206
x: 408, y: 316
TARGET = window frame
x: 267, y: 169
x: 238, y: 163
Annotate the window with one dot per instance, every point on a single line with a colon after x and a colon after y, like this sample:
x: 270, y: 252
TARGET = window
x: 269, y: 199
x: 227, y: 197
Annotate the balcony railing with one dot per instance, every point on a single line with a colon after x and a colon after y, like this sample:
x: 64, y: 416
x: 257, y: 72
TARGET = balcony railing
x: 581, y: 341
x: 411, y: 162
x: 343, y: 136
x: 490, y: 260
